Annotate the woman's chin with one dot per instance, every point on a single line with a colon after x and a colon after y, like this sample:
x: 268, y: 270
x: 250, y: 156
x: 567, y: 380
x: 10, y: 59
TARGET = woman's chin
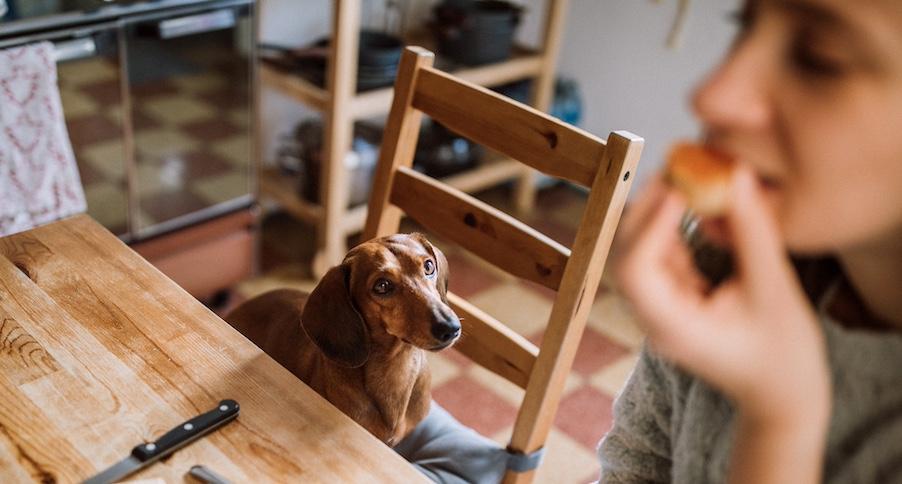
x: 808, y: 241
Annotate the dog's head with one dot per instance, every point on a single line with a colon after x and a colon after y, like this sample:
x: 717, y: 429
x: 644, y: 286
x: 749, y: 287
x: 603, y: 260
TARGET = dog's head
x: 392, y: 287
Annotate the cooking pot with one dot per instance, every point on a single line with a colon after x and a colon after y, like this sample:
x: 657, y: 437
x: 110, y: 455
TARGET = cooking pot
x: 476, y: 32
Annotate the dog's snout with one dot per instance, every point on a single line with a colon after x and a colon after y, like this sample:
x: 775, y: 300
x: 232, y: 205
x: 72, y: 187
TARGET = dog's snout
x: 445, y: 331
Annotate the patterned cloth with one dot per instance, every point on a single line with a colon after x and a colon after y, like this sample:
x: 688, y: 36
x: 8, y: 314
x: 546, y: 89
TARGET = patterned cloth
x: 39, y: 181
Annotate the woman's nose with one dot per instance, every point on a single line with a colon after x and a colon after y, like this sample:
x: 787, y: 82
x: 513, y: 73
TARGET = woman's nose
x: 736, y: 94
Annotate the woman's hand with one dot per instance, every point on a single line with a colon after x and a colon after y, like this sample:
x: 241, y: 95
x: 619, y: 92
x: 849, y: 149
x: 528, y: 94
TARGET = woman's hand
x: 755, y: 337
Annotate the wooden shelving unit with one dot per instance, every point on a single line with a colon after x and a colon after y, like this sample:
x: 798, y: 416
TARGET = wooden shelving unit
x: 340, y: 106
x: 523, y: 65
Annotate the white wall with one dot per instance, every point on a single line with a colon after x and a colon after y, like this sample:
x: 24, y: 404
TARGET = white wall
x: 615, y: 49
x: 292, y: 23
x: 630, y: 79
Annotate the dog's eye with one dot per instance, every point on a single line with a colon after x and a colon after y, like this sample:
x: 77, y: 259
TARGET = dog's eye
x: 382, y: 287
x: 429, y: 266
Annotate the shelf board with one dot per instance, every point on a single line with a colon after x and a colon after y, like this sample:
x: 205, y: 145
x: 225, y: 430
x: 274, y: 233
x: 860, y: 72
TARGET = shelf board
x: 295, y: 87
x: 524, y: 64
x: 486, y: 175
x: 282, y: 189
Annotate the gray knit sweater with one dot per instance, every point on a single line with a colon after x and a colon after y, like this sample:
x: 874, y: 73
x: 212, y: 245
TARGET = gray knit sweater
x: 672, y: 427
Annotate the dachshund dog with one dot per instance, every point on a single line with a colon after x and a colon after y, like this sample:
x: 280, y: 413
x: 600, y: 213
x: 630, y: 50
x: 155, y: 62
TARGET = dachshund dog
x: 360, y: 338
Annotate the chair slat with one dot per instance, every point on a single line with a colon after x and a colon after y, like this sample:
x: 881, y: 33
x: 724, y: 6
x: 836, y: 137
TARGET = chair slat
x: 493, y: 345
x: 512, y: 128
x: 484, y: 230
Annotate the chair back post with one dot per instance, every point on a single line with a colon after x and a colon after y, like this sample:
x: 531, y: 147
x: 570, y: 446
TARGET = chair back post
x: 577, y: 293
x: 399, y: 143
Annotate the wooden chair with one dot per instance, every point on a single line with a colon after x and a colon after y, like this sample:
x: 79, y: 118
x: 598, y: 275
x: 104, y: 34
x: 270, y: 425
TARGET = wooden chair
x: 546, y: 144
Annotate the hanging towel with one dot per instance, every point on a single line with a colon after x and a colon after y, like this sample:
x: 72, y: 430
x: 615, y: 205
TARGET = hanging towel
x: 39, y: 180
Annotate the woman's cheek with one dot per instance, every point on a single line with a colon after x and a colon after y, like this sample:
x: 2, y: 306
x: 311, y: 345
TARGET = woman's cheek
x: 801, y: 224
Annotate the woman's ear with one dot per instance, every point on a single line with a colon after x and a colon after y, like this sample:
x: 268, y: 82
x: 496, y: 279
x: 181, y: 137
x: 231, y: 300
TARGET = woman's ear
x: 333, y: 323
x: 441, y: 265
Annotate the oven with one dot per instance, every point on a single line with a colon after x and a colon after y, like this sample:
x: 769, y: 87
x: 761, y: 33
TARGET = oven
x: 158, y: 102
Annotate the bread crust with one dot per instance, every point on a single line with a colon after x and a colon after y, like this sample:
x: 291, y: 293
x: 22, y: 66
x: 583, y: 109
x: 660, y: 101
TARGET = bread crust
x: 703, y: 176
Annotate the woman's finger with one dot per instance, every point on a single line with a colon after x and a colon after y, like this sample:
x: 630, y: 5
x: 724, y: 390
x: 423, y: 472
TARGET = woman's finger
x: 755, y: 235
x: 645, y: 275
x: 681, y: 263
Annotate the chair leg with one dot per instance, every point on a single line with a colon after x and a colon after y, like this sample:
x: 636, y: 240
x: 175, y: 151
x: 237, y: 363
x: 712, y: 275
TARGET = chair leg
x: 512, y: 477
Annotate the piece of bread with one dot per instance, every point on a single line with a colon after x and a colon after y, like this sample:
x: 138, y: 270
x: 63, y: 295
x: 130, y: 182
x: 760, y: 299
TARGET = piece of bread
x: 703, y: 176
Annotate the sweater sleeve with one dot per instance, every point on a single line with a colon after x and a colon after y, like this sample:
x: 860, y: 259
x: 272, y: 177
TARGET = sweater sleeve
x: 638, y: 447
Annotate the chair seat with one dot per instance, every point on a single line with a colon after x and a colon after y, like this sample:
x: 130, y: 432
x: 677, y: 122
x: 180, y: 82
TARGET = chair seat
x: 447, y: 451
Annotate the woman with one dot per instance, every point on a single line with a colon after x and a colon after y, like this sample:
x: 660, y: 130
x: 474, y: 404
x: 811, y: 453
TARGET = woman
x: 754, y: 380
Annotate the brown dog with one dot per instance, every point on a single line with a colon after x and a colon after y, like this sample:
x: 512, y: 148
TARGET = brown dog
x: 359, y: 338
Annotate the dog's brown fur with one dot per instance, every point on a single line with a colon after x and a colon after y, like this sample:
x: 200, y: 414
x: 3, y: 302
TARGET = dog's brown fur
x: 362, y: 351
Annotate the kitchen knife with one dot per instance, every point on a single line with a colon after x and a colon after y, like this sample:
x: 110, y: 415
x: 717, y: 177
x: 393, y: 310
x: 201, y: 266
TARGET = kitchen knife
x: 146, y: 454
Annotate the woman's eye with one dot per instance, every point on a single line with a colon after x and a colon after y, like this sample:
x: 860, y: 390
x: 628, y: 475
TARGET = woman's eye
x: 744, y: 18
x: 810, y: 55
x: 806, y: 59
x: 382, y: 287
x: 429, y: 266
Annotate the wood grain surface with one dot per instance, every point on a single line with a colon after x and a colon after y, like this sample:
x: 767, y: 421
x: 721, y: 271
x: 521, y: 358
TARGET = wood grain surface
x: 514, y: 130
x: 480, y: 228
x: 100, y: 352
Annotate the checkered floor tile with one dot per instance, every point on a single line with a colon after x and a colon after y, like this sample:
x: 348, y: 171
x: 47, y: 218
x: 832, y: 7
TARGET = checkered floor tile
x: 480, y: 399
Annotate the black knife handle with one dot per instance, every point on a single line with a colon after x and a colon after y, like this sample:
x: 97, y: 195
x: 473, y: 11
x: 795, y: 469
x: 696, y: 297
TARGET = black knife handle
x: 186, y: 432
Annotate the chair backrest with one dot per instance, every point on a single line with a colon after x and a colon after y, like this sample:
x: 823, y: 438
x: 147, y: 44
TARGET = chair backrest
x: 543, y: 143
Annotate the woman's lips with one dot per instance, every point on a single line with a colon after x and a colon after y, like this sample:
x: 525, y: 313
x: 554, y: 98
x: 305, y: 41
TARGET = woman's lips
x: 771, y: 188
x: 768, y: 183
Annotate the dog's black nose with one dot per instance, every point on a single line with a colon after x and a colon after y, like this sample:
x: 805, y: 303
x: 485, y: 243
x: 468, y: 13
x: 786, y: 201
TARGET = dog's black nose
x: 445, y: 331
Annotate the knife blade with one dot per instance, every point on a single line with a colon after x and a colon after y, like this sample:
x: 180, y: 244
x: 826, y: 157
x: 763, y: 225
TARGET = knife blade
x: 145, y: 454
x: 206, y: 475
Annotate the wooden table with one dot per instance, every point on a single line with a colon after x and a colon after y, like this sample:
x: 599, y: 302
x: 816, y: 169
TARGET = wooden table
x: 99, y: 352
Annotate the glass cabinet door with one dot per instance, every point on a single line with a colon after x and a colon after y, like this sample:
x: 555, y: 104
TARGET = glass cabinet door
x: 190, y: 82
x: 91, y: 91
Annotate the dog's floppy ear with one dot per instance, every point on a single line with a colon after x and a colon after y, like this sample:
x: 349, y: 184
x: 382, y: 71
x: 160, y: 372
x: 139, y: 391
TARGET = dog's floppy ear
x: 333, y: 323
x: 441, y: 265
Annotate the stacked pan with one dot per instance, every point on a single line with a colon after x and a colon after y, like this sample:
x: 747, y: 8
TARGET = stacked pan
x: 378, y: 60
x: 475, y: 32
x: 377, y: 63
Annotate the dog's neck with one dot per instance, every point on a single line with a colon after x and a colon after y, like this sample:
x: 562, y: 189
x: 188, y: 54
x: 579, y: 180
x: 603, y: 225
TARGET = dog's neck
x: 397, y: 381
